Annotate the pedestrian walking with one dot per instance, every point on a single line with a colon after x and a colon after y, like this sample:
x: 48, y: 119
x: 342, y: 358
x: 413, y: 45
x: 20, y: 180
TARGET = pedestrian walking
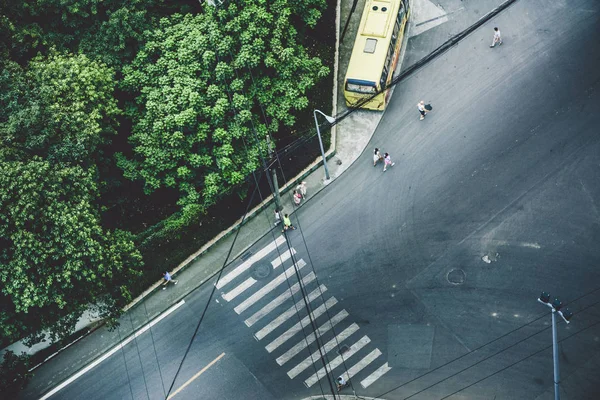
x: 422, y: 109
x: 287, y: 223
x: 302, y: 189
x: 376, y: 156
x: 167, y: 278
x: 297, y: 197
x: 277, y: 217
x: 387, y: 161
x: 497, y: 37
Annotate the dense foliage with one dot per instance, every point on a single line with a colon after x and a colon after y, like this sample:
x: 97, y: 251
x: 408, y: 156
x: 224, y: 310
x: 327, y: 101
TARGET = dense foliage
x: 202, y: 83
x: 55, y: 258
x: 97, y: 96
x: 61, y: 108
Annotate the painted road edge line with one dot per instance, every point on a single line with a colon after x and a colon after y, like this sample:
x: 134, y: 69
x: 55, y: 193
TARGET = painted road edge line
x: 112, y: 351
x: 210, y: 364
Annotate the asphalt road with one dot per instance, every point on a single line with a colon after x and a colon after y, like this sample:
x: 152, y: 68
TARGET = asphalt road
x: 493, y: 198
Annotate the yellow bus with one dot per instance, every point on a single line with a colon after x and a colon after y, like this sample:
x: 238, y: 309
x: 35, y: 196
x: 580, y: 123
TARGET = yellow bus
x: 375, y: 53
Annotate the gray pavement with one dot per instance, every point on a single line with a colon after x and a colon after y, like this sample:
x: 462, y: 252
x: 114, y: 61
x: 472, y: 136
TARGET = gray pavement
x: 505, y: 172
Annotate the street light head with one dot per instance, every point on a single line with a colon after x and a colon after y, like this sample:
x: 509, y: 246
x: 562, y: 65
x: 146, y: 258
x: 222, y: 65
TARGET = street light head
x: 545, y: 297
x: 566, y: 314
x: 329, y: 119
x: 557, y: 304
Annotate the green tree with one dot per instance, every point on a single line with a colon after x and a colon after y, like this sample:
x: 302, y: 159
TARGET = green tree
x: 56, y: 261
x: 14, y: 373
x: 60, y: 108
x: 31, y: 26
x: 200, y: 83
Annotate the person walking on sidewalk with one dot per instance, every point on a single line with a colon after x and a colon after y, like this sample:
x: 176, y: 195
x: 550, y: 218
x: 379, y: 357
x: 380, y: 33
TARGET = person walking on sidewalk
x: 277, y: 217
x: 168, y: 279
x: 497, y: 38
x: 376, y: 156
x: 297, y: 197
x: 422, y: 110
x: 301, y: 188
x: 287, y: 223
x: 387, y: 161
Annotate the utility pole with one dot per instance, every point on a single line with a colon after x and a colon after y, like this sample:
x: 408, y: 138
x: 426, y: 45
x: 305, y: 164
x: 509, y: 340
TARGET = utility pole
x: 566, y: 314
x: 273, y: 169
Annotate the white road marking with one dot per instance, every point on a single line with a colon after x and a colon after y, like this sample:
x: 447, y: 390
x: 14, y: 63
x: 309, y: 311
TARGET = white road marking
x: 356, y: 368
x: 316, y: 356
x: 238, y: 289
x: 251, y: 281
x: 301, y: 345
x: 337, y: 361
x: 289, y: 313
x: 111, y: 352
x: 248, y: 263
x: 243, y: 306
x: 365, y: 383
x: 279, y: 300
x: 283, y: 258
x: 298, y: 326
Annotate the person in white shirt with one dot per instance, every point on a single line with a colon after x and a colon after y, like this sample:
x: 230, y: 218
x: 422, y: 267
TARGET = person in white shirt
x: 341, y: 382
x: 376, y: 156
x: 497, y: 37
x: 422, y: 110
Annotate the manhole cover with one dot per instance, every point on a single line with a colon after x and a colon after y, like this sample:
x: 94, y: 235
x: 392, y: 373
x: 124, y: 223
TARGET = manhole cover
x: 343, y: 349
x: 456, y: 276
x: 262, y: 270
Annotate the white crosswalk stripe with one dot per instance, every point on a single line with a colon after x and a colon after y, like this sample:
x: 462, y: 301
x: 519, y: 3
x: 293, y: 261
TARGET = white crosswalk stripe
x: 238, y: 290
x: 359, y: 366
x: 257, y: 316
x: 298, y: 326
x: 316, y: 356
x: 314, y: 378
x: 243, y: 306
x: 365, y: 383
x: 300, y: 305
x: 251, y: 281
x: 301, y: 345
x: 248, y: 263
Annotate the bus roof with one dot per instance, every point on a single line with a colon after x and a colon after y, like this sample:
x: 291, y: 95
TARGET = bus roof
x: 373, y: 40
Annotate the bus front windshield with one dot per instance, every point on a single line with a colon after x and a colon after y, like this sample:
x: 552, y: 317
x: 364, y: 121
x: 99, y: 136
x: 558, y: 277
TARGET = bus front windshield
x: 360, y: 86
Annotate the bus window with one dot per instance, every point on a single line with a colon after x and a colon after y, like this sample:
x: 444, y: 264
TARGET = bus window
x: 384, y: 76
x: 360, y: 86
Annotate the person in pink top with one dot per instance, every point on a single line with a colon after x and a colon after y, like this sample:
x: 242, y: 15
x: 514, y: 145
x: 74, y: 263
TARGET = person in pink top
x: 387, y: 161
x: 297, y: 197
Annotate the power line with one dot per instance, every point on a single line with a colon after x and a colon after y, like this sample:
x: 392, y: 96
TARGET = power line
x: 486, y: 344
x: 489, y: 357
x: 273, y: 188
x: 521, y: 360
x: 211, y: 294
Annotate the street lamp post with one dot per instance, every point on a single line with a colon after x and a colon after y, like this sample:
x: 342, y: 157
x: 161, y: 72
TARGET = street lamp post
x: 331, y: 120
x: 566, y: 315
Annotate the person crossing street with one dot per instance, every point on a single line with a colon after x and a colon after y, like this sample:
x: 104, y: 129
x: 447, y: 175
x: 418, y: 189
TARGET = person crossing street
x: 497, y: 37
x: 387, y: 162
x: 287, y: 223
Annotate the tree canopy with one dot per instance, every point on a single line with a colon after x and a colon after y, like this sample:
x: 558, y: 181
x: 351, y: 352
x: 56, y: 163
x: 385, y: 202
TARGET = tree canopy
x: 201, y: 84
x: 60, y: 108
x: 55, y: 259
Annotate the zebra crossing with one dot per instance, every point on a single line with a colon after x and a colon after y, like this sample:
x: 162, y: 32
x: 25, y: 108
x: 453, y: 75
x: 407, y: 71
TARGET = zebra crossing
x: 278, y: 323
